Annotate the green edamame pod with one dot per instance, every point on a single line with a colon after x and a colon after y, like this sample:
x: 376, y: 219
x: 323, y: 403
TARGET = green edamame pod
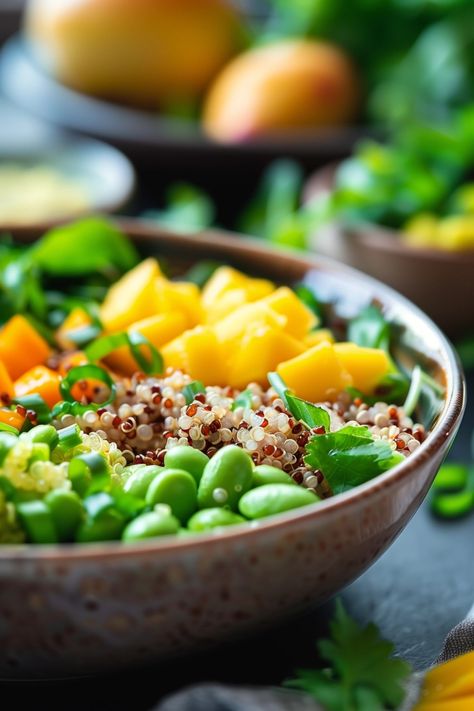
x: 226, y: 477
x: 67, y: 512
x: 139, y: 481
x: 274, y: 498
x: 187, y: 458
x: 207, y: 519
x: 265, y: 474
x: 176, y: 488
x: 150, y: 525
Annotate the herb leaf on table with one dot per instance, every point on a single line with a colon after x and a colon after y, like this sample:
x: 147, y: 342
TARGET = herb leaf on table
x: 350, y: 456
x: 363, y: 675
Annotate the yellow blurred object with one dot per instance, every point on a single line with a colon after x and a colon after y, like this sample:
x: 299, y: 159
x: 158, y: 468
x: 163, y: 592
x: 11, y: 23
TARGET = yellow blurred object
x: 421, y: 230
x: 183, y: 296
x: 299, y: 318
x: 21, y: 346
x: 150, y: 52
x: 366, y: 366
x: 231, y: 329
x: 262, y: 349
x: 314, y: 338
x: 159, y: 329
x: 316, y: 375
x: 76, y: 319
x: 198, y: 353
x: 453, y: 233
x: 294, y: 84
x: 449, y: 686
x: 131, y: 298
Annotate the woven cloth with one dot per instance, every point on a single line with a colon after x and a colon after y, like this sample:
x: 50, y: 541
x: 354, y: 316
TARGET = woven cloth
x: 218, y: 697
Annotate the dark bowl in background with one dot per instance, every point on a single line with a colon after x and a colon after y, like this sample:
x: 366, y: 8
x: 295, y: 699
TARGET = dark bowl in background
x: 440, y: 282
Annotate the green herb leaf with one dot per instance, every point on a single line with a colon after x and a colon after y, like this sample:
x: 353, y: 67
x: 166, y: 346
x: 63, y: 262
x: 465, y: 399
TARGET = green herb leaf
x: 244, y: 399
x: 192, y: 389
x: 363, y: 675
x: 350, y: 456
x: 310, y: 414
x: 188, y: 209
x: 135, y: 341
x: 369, y: 329
x: 84, y: 247
x: 308, y: 297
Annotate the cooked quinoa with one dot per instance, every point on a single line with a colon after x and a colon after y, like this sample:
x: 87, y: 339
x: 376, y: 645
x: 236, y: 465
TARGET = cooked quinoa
x: 150, y: 415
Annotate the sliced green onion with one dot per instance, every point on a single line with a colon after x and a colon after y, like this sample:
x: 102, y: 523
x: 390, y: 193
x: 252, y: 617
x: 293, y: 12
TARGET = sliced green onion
x: 84, y: 335
x: 70, y: 437
x: 103, y: 346
x: 278, y: 384
x: 96, y: 504
x: 243, y: 400
x: 192, y: 389
x: 8, y: 428
x: 414, y: 391
x: 37, y: 404
x: 37, y: 521
x: 311, y: 415
x: 86, y: 372
x: 88, y: 473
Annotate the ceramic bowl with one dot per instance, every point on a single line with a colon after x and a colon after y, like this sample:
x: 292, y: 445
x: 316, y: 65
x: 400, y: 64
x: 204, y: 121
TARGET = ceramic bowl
x: 438, y: 281
x: 76, y: 610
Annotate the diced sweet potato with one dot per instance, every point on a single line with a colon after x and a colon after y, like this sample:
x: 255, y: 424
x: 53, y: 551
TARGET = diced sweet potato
x: 21, y: 346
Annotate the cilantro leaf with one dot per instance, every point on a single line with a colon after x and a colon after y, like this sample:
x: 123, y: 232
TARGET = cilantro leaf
x: 370, y: 329
x: 311, y: 415
x: 350, y: 456
x: 363, y: 676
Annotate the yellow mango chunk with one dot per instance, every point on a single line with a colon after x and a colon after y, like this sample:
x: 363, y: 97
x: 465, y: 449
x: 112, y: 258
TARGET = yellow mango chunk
x: 181, y: 296
x: 462, y: 704
x: 231, y: 329
x: 204, y: 356
x: 367, y: 366
x: 227, y: 279
x: 299, y: 318
x: 450, y: 680
x: 174, y: 354
x: 262, y: 349
x: 316, y: 337
x: 316, y: 375
x: 159, y: 329
x: 76, y: 319
x: 131, y: 298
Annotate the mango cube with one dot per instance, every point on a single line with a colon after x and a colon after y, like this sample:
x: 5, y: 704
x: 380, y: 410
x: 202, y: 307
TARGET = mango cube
x: 159, y: 329
x: 198, y: 353
x: 299, y: 318
x: 316, y: 375
x: 314, y: 338
x: 227, y: 279
x: 367, y: 366
x: 183, y: 296
x: 131, y: 298
x: 262, y: 349
x: 231, y: 329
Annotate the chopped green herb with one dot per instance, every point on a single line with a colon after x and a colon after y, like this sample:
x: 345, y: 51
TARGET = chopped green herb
x: 244, y: 399
x: 192, y: 389
x: 311, y: 415
x: 363, y: 674
x: 350, y: 456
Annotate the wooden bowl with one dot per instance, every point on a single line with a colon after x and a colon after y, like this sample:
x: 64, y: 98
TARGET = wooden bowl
x: 83, y: 609
x: 439, y: 282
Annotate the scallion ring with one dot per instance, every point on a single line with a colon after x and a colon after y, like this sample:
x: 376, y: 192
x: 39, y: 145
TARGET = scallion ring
x: 87, y: 372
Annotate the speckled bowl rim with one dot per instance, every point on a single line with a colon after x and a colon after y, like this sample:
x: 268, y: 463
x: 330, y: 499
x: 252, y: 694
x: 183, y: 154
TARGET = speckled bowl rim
x: 448, y: 421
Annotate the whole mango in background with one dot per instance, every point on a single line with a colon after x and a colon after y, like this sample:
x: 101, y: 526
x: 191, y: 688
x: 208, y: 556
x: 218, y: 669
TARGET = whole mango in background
x: 298, y: 84
x: 148, y: 52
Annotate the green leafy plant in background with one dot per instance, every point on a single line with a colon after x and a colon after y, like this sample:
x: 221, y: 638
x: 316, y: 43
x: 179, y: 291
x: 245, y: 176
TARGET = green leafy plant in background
x: 362, y: 674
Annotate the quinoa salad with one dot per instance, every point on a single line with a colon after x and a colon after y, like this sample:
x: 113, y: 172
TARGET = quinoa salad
x: 179, y: 406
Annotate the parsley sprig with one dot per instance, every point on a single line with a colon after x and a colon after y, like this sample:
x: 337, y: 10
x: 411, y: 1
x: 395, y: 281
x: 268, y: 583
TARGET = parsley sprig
x: 362, y: 674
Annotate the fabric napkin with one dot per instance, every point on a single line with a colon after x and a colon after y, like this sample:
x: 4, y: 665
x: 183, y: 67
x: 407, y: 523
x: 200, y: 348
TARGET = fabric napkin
x: 220, y: 697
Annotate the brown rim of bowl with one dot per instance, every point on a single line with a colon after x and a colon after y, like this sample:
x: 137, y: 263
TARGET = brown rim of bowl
x: 449, y: 419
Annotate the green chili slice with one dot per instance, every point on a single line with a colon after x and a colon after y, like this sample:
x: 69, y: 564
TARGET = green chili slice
x: 86, y: 372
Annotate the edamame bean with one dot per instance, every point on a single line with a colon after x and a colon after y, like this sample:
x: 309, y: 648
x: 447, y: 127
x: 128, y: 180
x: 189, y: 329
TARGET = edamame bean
x: 137, y: 484
x: 226, y: 477
x: 187, y: 458
x: 274, y: 498
x: 7, y: 441
x: 107, y: 527
x: 176, y: 488
x: 265, y: 474
x: 151, y: 525
x: 67, y: 512
x: 206, y: 519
